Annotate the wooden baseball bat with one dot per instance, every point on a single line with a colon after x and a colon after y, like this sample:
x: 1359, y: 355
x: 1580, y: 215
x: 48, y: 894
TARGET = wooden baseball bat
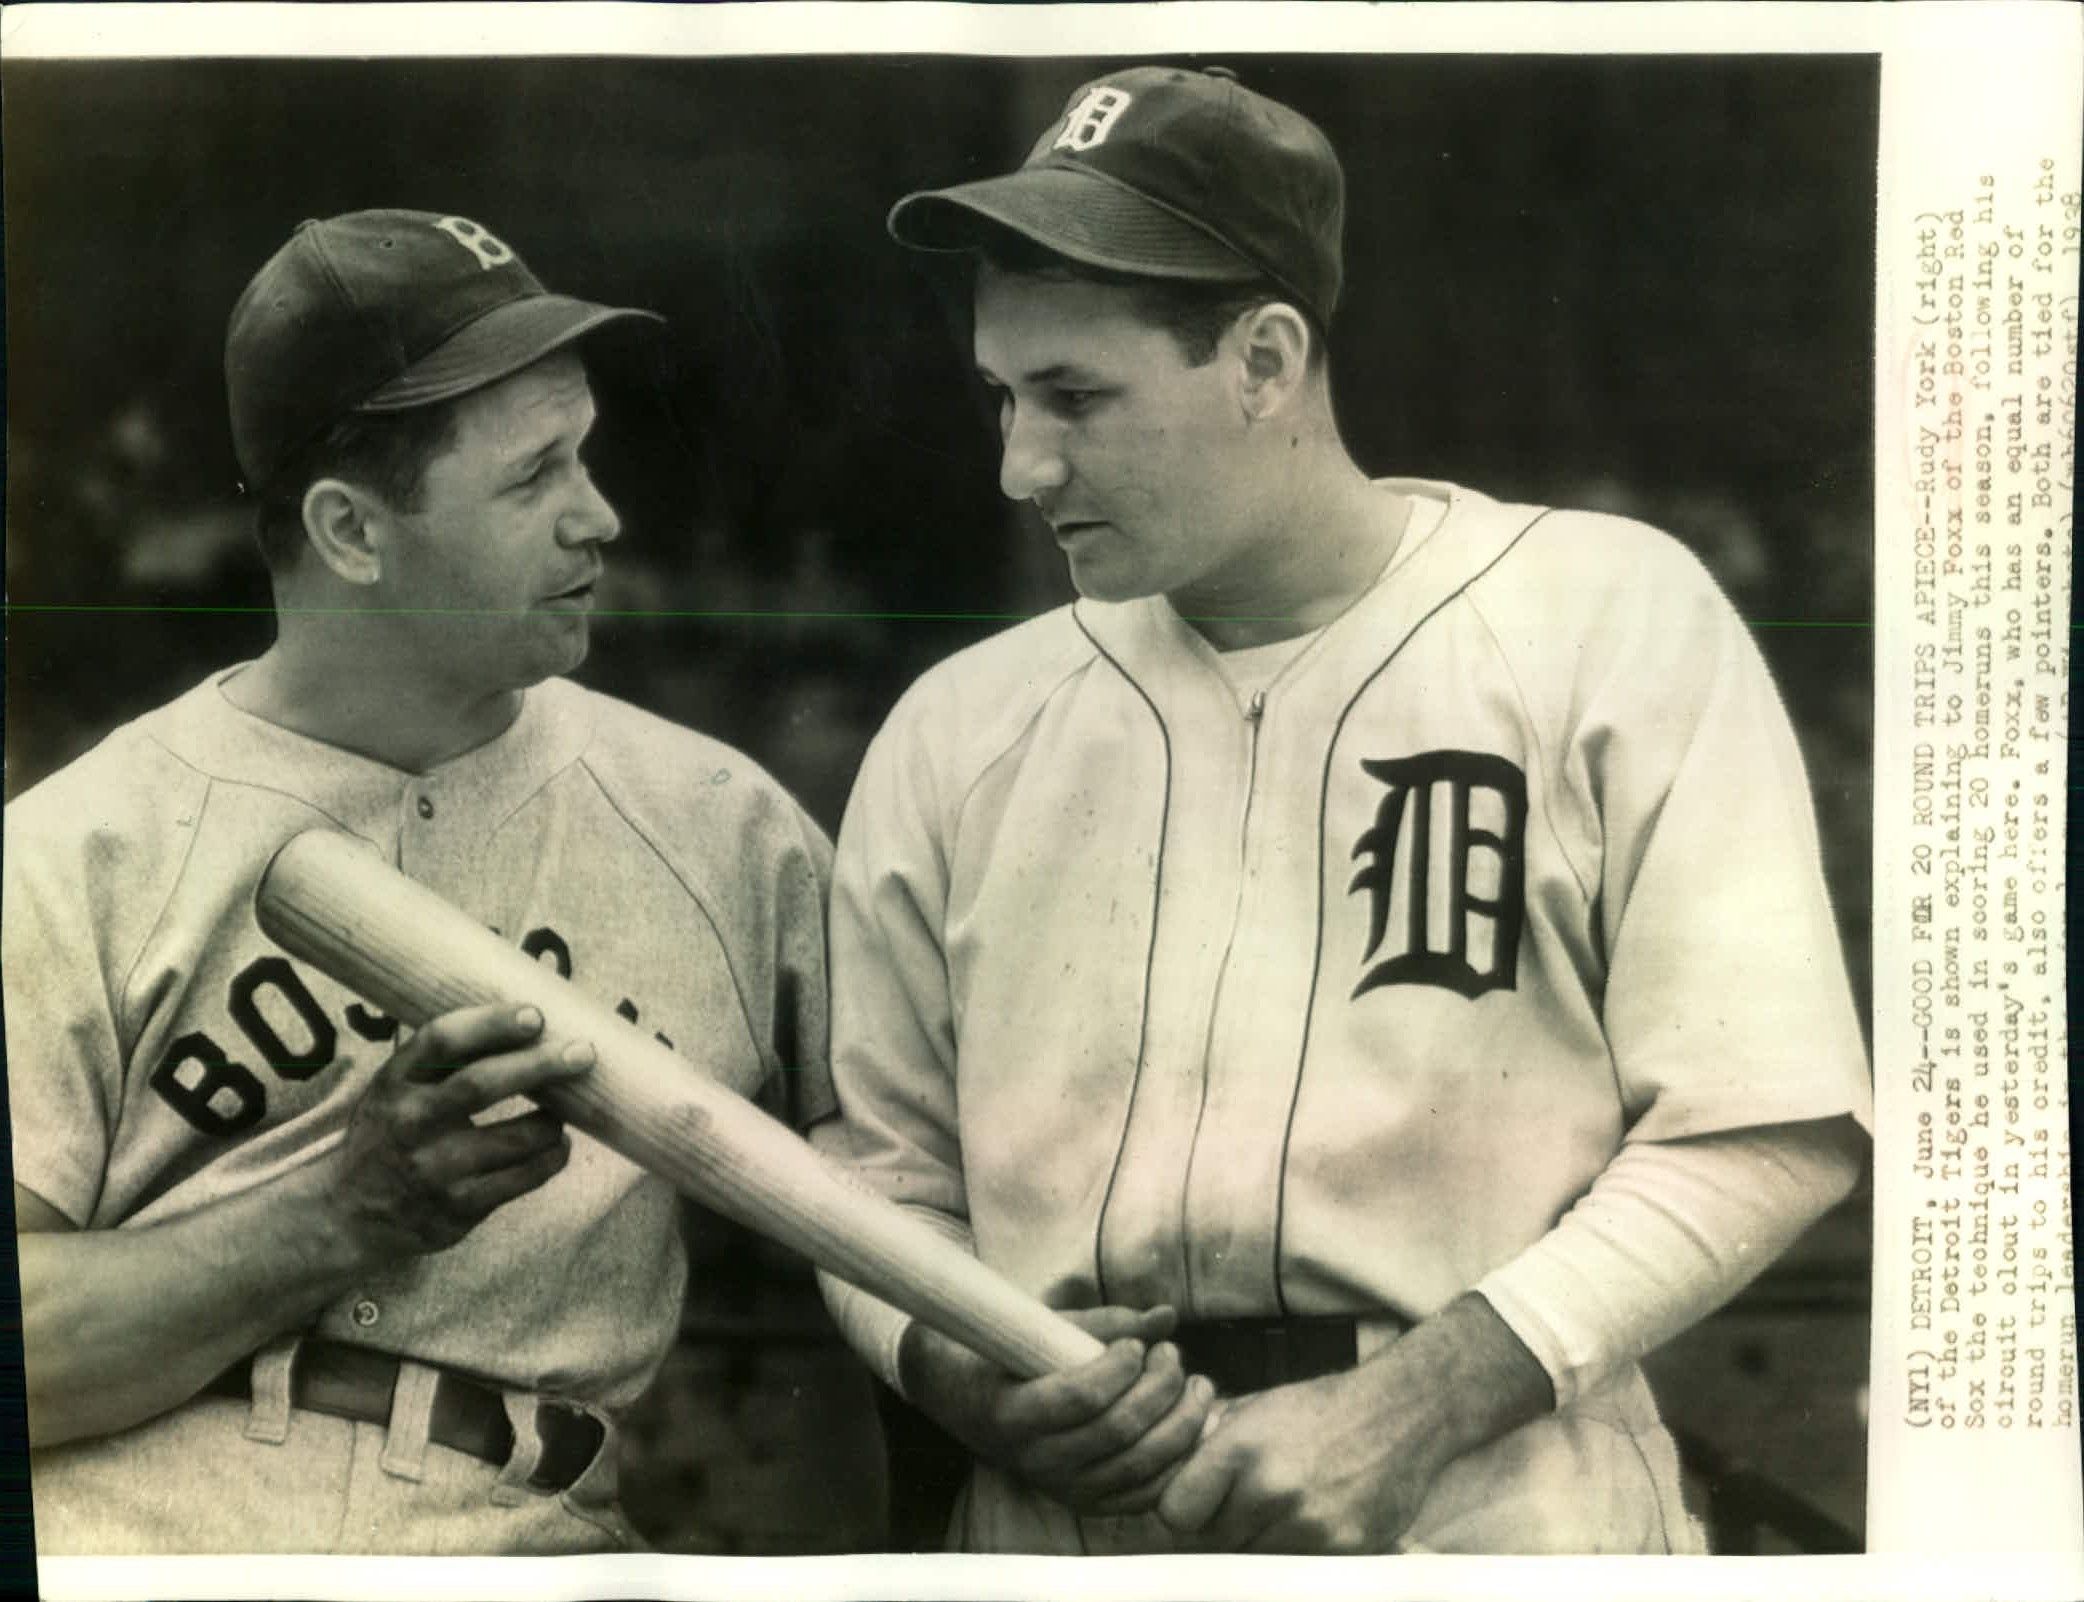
x: 329, y: 899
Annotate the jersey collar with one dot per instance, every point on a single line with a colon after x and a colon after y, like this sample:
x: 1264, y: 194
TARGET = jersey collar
x: 1454, y: 535
x: 205, y: 729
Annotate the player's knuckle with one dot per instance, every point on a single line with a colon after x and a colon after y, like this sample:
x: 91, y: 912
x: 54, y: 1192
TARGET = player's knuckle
x: 440, y: 1042
x: 1121, y: 1428
x: 411, y: 1117
x: 1005, y: 1417
x: 1097, y: 1387
x: 1161, y: 1392
x: 1163, y: 1444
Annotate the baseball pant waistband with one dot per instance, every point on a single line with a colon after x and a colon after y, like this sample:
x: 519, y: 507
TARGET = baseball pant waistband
x: 1255, y: 1354
x: 467, y: 1415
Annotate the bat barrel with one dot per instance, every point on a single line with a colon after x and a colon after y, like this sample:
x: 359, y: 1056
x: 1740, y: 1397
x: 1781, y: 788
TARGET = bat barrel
x: 327, y: 899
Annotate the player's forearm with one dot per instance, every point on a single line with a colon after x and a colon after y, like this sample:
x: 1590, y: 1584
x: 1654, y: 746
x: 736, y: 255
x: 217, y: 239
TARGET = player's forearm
x: 868, y: 1324
x: 1456, y: 1381
x: 120, y: 1325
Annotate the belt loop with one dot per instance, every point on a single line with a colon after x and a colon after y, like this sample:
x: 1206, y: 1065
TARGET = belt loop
x: 1279, y: 1356
x: 412, y: 1410
x: 274, y: 1365
x: 512, y: 1489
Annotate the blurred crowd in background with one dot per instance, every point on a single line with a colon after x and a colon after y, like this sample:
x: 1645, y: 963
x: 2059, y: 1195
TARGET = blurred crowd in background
x: 1637, y: 284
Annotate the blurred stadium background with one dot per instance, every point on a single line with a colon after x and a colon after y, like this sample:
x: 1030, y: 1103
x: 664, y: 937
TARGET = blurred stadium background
x: 1640, y: 284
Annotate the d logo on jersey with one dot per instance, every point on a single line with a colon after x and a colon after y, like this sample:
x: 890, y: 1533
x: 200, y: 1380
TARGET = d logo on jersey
x: 1445, y: 873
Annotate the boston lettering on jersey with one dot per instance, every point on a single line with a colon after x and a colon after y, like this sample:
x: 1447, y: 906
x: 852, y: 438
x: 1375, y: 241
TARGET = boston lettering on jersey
x: 198, y: 1079
x: 1458, y: 874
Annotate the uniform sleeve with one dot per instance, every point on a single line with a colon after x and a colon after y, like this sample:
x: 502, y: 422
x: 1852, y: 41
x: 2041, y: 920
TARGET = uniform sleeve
x: 871, y: 1326
x: 1668, y: 1233
x: 1726, y: 1001
x: 802, y: 988
x: 64, y: 1057
x: 893, y: 1036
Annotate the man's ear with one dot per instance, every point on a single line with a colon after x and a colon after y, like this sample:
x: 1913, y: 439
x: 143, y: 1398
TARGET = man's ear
x: 337, y: 521
x: 1274, y: 353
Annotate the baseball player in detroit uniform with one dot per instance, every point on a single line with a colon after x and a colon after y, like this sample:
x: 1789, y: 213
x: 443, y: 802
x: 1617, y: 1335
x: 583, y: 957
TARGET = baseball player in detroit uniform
x: 1367, y: 956
x: 295, y: 1278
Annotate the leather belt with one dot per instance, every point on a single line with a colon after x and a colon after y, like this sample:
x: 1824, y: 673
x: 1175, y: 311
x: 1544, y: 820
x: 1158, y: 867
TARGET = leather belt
x: 355, y: 1382
x: 1243, y: 1355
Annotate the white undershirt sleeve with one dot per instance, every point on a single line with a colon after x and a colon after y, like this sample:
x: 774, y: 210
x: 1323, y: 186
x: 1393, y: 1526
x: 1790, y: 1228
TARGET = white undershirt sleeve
x: 1668, y: 1233
x: 871, y: 1325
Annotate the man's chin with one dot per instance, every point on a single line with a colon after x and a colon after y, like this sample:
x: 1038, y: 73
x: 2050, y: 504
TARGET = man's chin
x: 1095, y: 581
x: 569, y: 663
x: 573, y: 643
x: 547, y: 659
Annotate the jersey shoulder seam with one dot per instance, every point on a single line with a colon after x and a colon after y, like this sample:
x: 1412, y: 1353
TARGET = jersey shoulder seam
x: 125, y: 1035
x: 1081, y: 664
x: 1550, y: 761
x: 173, y: 884
x: 213, y: 781
x: 745, y: 1015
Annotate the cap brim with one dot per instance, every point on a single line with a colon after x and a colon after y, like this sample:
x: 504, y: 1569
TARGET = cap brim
x: 1077, y: 213
x: 495, y: 346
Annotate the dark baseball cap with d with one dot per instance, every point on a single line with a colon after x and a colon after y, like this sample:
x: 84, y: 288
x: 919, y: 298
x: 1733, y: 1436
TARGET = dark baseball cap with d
x: 1163, y: 173
x: 383, y: 311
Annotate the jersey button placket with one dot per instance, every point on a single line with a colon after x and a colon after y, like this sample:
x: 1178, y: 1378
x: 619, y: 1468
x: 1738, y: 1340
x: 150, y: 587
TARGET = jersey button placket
x: 365, y: 1314
x: 416, y: 831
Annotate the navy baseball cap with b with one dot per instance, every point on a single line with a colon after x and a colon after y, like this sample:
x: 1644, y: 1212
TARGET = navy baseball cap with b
x: 1161, y: 172
x: 383, y: 311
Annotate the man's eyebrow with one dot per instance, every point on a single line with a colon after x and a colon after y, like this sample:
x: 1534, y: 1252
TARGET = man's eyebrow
x: 527, y: 460
x: 1056, y: 373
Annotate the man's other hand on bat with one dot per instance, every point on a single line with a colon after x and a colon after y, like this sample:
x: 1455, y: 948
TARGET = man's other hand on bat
x: 1103, y: 1438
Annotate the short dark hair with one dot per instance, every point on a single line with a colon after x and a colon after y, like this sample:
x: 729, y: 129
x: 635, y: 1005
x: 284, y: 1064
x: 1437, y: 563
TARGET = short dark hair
x: 385, y: 452
x: 1195, y: 313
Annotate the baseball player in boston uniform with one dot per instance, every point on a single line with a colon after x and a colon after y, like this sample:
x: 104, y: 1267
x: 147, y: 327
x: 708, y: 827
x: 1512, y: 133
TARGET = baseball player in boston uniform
x: 1368, y: 954
x: 290, y: 1279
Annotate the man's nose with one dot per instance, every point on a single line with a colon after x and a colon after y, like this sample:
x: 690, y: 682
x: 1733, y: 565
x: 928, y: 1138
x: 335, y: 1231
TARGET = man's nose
x: 589, y: 520
x: 1031, y: 460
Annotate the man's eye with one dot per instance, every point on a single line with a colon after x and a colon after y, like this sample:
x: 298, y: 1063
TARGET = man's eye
x: 1073, y: 401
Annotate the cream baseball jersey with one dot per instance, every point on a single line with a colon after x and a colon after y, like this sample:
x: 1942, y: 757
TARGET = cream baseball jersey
x: 1335, y: 1001
x: 163, y: 1053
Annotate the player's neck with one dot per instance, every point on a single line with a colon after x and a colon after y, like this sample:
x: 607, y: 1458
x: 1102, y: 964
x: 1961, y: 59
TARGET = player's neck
x: 404, y: 722
x: 1322, y: 546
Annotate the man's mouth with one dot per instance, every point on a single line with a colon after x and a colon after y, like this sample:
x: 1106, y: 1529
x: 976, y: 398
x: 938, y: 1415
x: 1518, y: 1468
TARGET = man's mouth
x: 1070, y: 528
x: 581, y: 592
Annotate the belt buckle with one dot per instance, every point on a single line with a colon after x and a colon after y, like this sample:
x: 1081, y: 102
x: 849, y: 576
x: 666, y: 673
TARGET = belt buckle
x: 572, y: 1438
